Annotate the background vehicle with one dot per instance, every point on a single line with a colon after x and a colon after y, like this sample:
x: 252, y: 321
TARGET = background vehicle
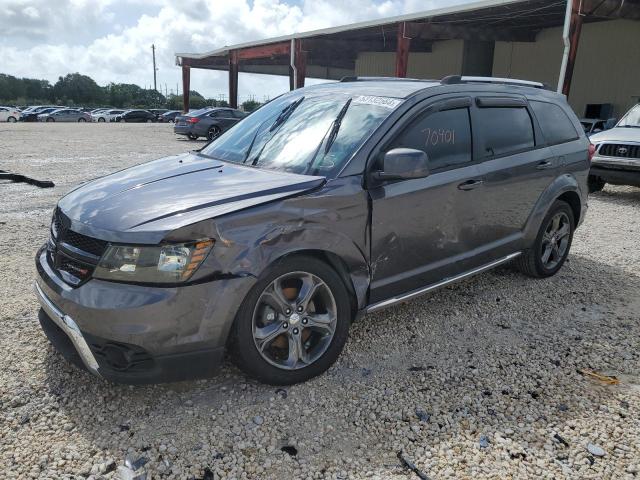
x: 158, y: 112
x: 135, y: 116
x: 9, y: 114
x: 328, y: 202
x: 31, y: 114
x: 596, y: 125
x: 207, y: 122
x: 65, y: 115
x: 617, y: 157
x: 169, y: 117
x: 106, y: 115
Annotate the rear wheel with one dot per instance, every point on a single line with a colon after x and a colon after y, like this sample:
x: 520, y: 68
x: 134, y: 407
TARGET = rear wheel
x: 12, y: 120
x: 149, y: 120
x: 50, y: 119
x: 81, y: 120
x: 552, y: 244
x: 293, y: 324
x: 596, y: 184
x: 101, y: 119
x: 191, y: 136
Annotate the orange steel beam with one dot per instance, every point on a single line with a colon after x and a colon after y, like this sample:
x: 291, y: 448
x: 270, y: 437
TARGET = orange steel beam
x: 264, y: 51
x: 186, y: 87
x: 233, y: 79
x: 575, y: 28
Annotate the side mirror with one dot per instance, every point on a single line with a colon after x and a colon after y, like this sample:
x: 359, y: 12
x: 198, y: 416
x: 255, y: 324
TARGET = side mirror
x: 403, y: 164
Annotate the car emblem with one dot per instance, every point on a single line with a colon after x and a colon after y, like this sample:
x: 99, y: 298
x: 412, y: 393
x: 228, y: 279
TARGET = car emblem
x: 622, y: 150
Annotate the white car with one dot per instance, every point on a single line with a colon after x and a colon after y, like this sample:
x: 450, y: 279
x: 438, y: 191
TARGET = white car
x: 9, y: 114
x: 105, y: 115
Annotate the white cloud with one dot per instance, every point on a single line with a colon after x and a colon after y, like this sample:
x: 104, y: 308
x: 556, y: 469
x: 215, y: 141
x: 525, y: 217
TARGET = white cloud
x: 110, y: 40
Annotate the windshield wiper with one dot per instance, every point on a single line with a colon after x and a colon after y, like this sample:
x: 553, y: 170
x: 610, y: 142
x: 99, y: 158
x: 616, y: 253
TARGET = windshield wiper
x: 285, y: 114
x: 336, y: 126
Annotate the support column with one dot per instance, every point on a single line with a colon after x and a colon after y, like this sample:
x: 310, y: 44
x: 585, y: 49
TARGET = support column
x: 233, y: 79
x: 574, y: 40
x: 186, y: 87
x: 300, y: 62
x: 402, y: 51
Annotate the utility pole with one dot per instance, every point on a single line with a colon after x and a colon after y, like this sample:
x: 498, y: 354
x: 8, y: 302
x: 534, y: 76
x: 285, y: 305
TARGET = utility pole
x: 153, y: 52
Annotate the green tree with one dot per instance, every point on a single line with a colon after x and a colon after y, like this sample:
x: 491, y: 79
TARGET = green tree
x: 251, y: 105
x: 78, y: 89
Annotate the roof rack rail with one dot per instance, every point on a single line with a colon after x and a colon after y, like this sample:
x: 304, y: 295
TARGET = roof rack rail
x: 377, y: 79
x: 454, y: 79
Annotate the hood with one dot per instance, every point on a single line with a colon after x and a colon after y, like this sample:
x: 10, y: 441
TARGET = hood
x: 175, y: 191
x: 617, y: 134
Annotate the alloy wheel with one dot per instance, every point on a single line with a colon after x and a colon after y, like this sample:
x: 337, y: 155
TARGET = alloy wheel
x: 555, y: 240
x: 294, y: 320
x: 213, y: 133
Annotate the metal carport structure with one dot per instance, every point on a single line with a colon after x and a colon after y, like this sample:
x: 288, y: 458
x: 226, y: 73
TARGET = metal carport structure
x: 332, y: 53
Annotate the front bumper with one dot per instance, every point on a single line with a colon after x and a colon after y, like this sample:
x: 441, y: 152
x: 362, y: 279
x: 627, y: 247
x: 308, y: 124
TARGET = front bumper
x: 141, y: 334
x: 618, y: 171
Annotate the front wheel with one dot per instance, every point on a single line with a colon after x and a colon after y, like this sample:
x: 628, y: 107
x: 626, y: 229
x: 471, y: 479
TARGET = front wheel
x: 552, y: 244
x: 50, y: 120
x: 12, y: 120
x: 214, y: 132
x: 596, y: 184
x: 81, y: 120
x: 101, y: 119
x: 293, y: 324
x: 149, y: 120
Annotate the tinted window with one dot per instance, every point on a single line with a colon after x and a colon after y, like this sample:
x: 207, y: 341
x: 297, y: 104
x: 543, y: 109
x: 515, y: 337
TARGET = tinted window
x: 445, y: 136
x: 555, y: 124
x: 504, y: 130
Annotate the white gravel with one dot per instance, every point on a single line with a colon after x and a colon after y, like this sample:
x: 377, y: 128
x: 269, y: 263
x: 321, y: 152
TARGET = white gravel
x: 479, y: 380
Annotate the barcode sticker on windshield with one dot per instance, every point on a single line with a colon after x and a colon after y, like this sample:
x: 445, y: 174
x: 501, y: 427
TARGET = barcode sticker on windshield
x: 380, y: 101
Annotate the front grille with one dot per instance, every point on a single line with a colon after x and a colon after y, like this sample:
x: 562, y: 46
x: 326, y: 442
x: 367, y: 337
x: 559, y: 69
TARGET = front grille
x: 74, y: 267
x: 619, y: 150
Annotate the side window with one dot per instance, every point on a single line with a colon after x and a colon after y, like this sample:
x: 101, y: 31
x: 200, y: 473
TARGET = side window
x: 503, y: 130
x: 554, y: 123
x: 215, y: 114
x: 445, y: 136
x: 238, y: 114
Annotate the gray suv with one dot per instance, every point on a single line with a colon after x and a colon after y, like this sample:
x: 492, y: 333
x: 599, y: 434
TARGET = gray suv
x: 329, y: 202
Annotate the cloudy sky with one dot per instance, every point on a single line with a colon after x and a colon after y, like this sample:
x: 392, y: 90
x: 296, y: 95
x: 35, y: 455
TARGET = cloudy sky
x: 110, y: 40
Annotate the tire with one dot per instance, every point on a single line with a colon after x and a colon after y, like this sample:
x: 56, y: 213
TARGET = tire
x: 320, y: 349
x: 50, y: 119
x: 149, y: 120
x: 191, y: 136
x: 12, y: 120
x: 596, y: 184
x: 532, y: 261
x: 100, y: 119
x: 213, y: 132
x: 81, y: 120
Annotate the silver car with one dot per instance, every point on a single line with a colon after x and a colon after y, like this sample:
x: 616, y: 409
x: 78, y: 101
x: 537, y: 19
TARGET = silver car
x: 617, y: 157
x: 65, y: 115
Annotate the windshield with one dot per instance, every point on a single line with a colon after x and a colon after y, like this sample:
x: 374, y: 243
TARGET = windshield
x: 632, y: 118
x: 306, y: 135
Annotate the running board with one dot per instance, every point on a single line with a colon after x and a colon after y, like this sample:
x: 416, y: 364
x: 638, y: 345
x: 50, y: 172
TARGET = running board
x: 421, y: 291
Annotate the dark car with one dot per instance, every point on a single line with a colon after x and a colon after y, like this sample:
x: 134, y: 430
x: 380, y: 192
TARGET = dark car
x: 31, y: 114
x: 158, y: 112
x: 207, y: 122
x: 135, y: 116
x: 169, y: 117
x: 617, y: 158
x: 329, y: 202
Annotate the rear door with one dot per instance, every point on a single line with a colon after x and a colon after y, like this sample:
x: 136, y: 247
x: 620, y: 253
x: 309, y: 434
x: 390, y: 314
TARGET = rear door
x: 516, y: 167
x: 422, y: 230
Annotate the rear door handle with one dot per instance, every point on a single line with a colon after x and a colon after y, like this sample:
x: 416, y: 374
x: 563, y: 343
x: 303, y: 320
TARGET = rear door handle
x: 470, y: 184
x: 545, y: 164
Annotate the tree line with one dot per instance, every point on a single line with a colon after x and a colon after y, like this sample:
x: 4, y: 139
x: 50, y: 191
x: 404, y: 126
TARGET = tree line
x: 79, y: 90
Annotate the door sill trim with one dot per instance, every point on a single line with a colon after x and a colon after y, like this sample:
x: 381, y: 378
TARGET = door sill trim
x: 421, y: 291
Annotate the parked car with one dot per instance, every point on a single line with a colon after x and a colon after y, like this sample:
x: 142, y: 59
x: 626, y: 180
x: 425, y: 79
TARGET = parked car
x: 596, y: 125
x: 328, y: 202
x: 169, y: 117
x: 9, y: 114
x: 207, y: 122
x: 617, y: 157
x: 106, y: 115
x: 31, y: 113
x: 65, y: 115
x: 135, y: 116
x: 158, y: 112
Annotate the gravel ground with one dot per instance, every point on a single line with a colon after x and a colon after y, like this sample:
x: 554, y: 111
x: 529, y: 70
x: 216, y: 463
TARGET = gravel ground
x: 478, y: 380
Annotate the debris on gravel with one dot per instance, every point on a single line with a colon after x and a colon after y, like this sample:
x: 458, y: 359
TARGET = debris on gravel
x: 494, y: 377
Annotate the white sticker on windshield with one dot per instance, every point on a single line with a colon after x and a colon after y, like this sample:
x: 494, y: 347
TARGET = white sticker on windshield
x: 380, y: 101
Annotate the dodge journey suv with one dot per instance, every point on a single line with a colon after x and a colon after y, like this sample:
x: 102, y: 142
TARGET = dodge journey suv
x: 328, y: 202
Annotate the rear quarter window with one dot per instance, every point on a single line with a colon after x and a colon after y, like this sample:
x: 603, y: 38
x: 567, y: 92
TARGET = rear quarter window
x: 556, y: 126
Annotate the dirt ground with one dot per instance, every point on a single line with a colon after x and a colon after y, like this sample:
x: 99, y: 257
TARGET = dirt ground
x: 478, y: 380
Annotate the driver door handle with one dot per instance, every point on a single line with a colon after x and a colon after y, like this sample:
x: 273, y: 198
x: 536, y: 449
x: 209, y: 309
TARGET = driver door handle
x: 470, y: 184
x: 545, y: 164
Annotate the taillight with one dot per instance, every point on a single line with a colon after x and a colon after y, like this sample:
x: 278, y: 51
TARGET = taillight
x: 193, y: 120
x: 592, y: 151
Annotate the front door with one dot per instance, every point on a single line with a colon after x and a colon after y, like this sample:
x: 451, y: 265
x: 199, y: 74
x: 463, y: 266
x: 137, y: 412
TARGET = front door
x: 423, y: 230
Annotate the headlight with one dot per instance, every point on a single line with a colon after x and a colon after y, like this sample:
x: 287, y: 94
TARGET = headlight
x: 172, y: 263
